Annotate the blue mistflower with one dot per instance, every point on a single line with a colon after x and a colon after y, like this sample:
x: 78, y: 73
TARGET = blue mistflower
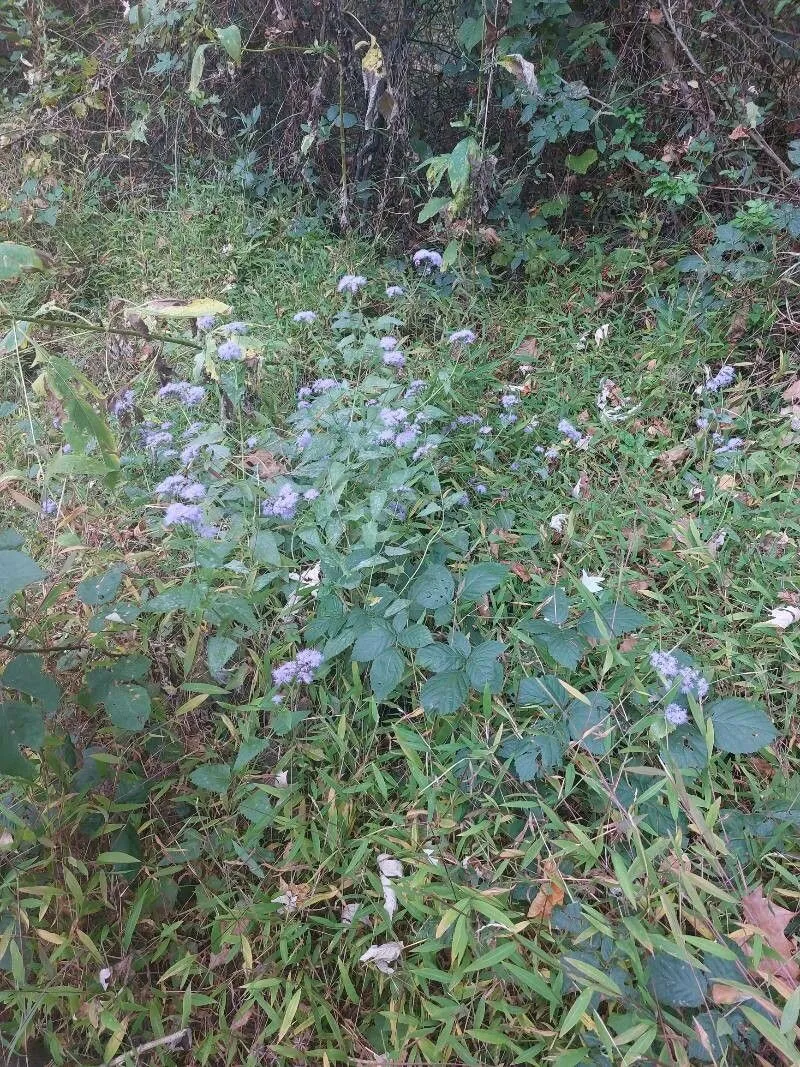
x: 351, y: 283
x: 395, y: 290
x: 229, y: 350
x: 462, y: 337
x: 676, y: 715
x: 304, y: 316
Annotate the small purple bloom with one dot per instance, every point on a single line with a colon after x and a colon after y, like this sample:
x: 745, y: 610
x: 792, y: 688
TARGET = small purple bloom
x: 395, y: 290
x: 304, y: 316
x: 414, y: 389
x: 351, y: 283
x: 400, y: 511
x: 485, y: 431
x: 154, y: 439
x: 283, y: 505
x: 430, y: 260
x: 206, y: 322
x: 676, y: 715
x: 123, y: 403
x: 307, y: 661
x: 665, y: 663
x: 172, y: 485
x: 733, y: 444
x: 311, y: 494
x: 304, y: 392
x: 406, y: 437
x: 184, y: 515
x: 193, y: 492
x: 422, y: 451
x: 480, y: 489
x: 49, y: 506
x: 507, y: 419
x: 721, y: 380
x: 394, y: 359
x: 388, y: 343
x: 278, y: 698
x: 468, y: 420
x: 186, y: 393
x: 462, y: 337
x: 509, y: 400
x: 234, y: 328
x: 392, y: 417
x: 66, y: 449
x: 566, y: 428
x: 323, y: 385
x: 284, y: 673
x: 304, y: 440
x: 229, y: 350
x: 191, y: 430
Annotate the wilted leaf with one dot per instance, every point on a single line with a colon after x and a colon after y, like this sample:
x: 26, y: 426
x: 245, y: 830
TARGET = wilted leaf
x: 383, y: 955
x: 792, y: 392
x: 389, y: 869
x: 771, y: 922
x: 782, y: 618
x: 580, y: 490
x: 17, y: 259
x: 265, y: 464
x: 674, y: 457
x: 551, y: 893
x: 523, y: 70
x: 175, y: 308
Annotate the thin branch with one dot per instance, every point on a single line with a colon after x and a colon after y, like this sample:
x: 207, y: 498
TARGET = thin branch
x: 46, y: 649
x: 78, y: 325
x: 180, y: 1040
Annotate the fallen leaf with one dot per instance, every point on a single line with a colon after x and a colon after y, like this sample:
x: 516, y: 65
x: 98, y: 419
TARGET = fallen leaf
x: 265, y: 464
x: 521, y: 571
x: 349, y: 913
x: 551, y: 893
x: 783, y: 618
x: 383, y: 955
x: 580, y: 490
x: 558, y: 522
x: 528, y: 347
x: 601, y: 333
x: 104, y: 977
x: 726, y: 482
x: 738, y: 133
x: 771, y: 921
x: 792, y: 392
x: 242, y: 1020
x: 656, y: 16
x: 674, y: 457
x: 628, y: 644
x: 388, y: 870
x: 489, y: 236
x: 639, y: 585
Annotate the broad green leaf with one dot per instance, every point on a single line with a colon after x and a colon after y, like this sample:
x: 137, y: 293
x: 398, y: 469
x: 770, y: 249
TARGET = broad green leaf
x: 128, y: 705
x: 580, y: 164
x: 616, y: 619
x: 196, y: 72
x: 16, y: 259
x: 416, y: 636
x: 256, y: 806
x: 188, y: 597
x: 218, y: 651
x: 460, y: 163
x: 433, y: 207
x: 590, y: 724
x: 556, y: 605
x: 10, y: 539
x: 100, y: 589
x: 439, y: 657
x: 127, y: 850
x: 544, y: 692
x: 17, y: 570
x: 264, y: 548
x: 676, y: 983
x: 248, y: 751
x: 230, y: 37
x: 470, y: 32
x: 481, y: 579
x: 371, y: 643
x: 482, y: 667
x: 433, y: 588
x: 21, y: 725
x: 686, y: 748
x: 740, y: 726
x: 214, y: 777
x: 534, y: 755
x: 566, y: 646
x: 73, y: 388
x: 386, y: 673
x: 24, y: 673
x: 176, y: 308
x: 444, y: 693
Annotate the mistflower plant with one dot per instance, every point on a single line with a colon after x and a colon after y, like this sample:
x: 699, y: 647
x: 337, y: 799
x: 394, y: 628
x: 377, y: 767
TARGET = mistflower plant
x: 206, y: 322
x: 304, y: 316
x: 351, y: 283
x: 462, y: 337
x: 229, y: 350
x: 427, y: 259
x: 721, y: 380
x: 283, y: 505
x: 395, y: 291
x: 189, y: 395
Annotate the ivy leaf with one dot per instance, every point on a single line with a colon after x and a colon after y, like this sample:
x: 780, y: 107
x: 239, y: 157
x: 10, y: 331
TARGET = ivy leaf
x: 676, y: 983
x: 24, y: 673
x: 589, y: 724
x: 128, y: 705
x: 17, y: 570
x: 213, y: 777
x: 535, y: 754
x: 386, y: 673
x: 20, y: 725
x: 444, y: 693
x: 433, y: 588
x: 481, y: 579
x: 101, y: 589
x: 371, y: 643
x: 544, y: 692
x: 740, y: 726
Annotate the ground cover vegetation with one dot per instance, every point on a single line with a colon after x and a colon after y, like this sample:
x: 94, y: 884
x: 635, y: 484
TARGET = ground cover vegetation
x: 398, y: 574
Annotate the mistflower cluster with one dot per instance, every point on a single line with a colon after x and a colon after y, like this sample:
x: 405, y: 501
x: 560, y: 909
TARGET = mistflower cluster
x: 427, y: 259
x: 158, y: 441
x: 283, y: 505
x: 229, y: 351
x: 395, y: 290
x: 721, y: 380
x: 189, y: 395
x: 49, y: 506
x: 190, y: 515
x: 394, y: 359
x: 304, y: 440
x: 300, y: 669
x: 462, y: 337
x: 206, y: 322
x: 566, y: 428
x: 733, y: 444
x: 690, y: 681
x: 676, y: 715
x: 234, y: 328
x: 351, y: 283
x: 178, y: 485
x: 123, y: 403
x: 304, y: 316
x: 414, y: 389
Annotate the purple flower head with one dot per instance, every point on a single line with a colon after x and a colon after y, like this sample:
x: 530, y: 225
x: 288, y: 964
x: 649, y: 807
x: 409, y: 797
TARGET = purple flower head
x: 307, y: 661
x: 392, y: 417
x: 206, y: 322
x: 188, y: 394
x: 394, y: 359
x: 721, y: 380
x: 304, y: 392
x: 424, y: 257
x: 154, y: 439
x: 507, y: 418
x: 462, y: 337
x: 49, y: 506
x: 693, y: 683
x: 388, y: 343
x: 311, y: 494
x: 184, y: 515
x: 323, y: 385
x: 423, y: 450
x: 733, y: 444
x: 351, y: 283
x: 191, y: 430
x: 414, y: 389
x: 400, y: 511
x: 284, y: 673
x: 676, y: 715
x: 480, y: 489
x: 193, y: 492
x: 468, y: 420
x: 551, y: 453
x: 566, y: 428
x: 395, y: 290
x: 304, y: 440
x: 278, y: 698
x: 485, y: 431
x: 123, y: 403
x: 229, y: 351
x: 172, y: 485
x: 406, y: 437
x: 66, y: 449
x: 234, y: 328
x: 304, y: 316
x: 509, y: 400
x: 190, y: 453
x: 665, y: 663
x: 283, y: 505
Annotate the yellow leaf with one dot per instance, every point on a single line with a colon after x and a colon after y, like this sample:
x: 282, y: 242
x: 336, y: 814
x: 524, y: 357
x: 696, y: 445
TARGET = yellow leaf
x: 372, y: 62
x: 53, y: 939
x: 176, y: 308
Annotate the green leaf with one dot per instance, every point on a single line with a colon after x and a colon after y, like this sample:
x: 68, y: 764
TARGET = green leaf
x: 482, y: 667
x: 444, y: 693
x: 264, y: 548
x: 188, y: 597
x: 371, y: 643
x: 416, y: 636
x: 580, y: 164
x: 675, y: 982
x: 176, y: 307
x: 470, y: 32
x: 617, y: 619
x: 230, y: 37
x: 127, y: 850
x: 565, y: 646
x: 460, y: 163
x: 433, y: 207
x: 73, y: 389
x: 481, y: 579
x: 433, y: 588
x: 740, y: 726
x: 213, y: 777
x: 590, y: 724
x: 386, y: 673
x: 17, y: 570
x: 248, y: 751
x: 439, y: 657
x: 686, y: 748
x: 545, y: 692
x: 256, y: 807
x: 16, y: 259
x: 24, y: 673
x: 100, y: 589
x: 21, y: 725
x: 11, y: 538
x: 218, y: 651
x: 198, y: 65
x: 128, y: 705
x: 535, y: 754
x: 556, y: 605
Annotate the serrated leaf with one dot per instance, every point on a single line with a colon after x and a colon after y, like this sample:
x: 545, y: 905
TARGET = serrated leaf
x: 675, y: 982
x: 371, y: 643
x: 187, y: 597
x: 433, y: 588
x: 481, y: 579
x: 415, y: 636
x: 544, y: 692
x: 617, y: 619
x: 213, y: 777
x: 444, y: 693
x: 256, y: 807
x: 218, y: 651
x: 24, y: 673
x: 386, y: 673
x: 230, y: 37
x: 589, y: 724
x: 17, y: 570
x: 482, y: 667
x: 686, y: 748
x: 21, y: 725
x: 264, y: 548
x: 740, y: 726
x: 100, y: 589
x: 534, y: 755
x: 439, y: 657
x: 556, y: 605
x: 127, y: 705
x: 565, y: 646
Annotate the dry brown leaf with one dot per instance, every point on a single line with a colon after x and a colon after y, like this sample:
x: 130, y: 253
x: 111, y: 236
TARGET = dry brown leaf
x: 489, y: 236
x: 551, y: 893
x: 529, y: 347
x: 265, y: 464
x: 639, y: 585
x: 738, y: 133
x: 628, y: 644
x: 656, y: 16
x: 771, y: 921
x: 581, y: 490
x: 792, y: 392
x: 724, y: 994
x: 242, y: 1020
x: 521, y: 571
x: 738, y: 325
x: 726, y: 482
x: 674, y: 457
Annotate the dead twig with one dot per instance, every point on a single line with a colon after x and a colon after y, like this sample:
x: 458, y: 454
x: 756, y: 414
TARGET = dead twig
x: 180, y: 1040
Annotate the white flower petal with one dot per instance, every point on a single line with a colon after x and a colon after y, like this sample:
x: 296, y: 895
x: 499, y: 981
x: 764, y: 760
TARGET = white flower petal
x: 592, y: 582
x: 104, y: 977
x: 601, y: 333
x: 558, y: 522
